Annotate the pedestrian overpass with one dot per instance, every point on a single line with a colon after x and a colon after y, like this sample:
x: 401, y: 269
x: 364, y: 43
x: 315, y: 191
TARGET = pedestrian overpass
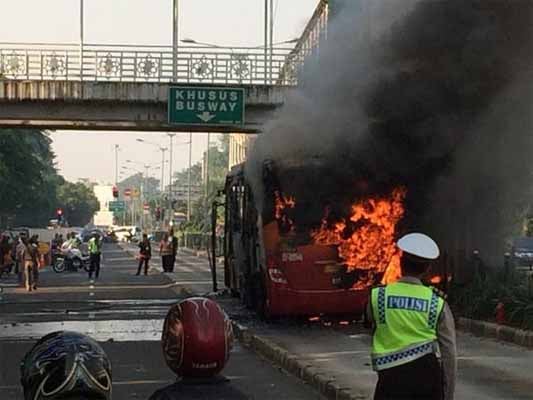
x: 118, y: 87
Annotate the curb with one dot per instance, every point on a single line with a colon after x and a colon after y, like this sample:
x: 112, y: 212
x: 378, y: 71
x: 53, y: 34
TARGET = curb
x: 491, y: 330
x: 304, y: 370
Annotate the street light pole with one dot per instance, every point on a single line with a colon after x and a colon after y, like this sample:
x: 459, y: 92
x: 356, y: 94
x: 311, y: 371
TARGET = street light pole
x: 175, y: 38
x: 266, y: 41
x: 82, y: 23
x: 189, y: 180
x: 271, y: 38
x: 207, y: 178
x: 162, y: 170
x: 116, y: 164
x: 171, y: 136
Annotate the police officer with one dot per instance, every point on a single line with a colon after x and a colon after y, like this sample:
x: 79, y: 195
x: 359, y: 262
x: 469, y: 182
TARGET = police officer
x: 413, y: 343
x: 95, y: 255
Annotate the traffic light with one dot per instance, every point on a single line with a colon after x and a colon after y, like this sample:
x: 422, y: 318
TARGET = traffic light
x: 115, y: 192
x: 59, y: 215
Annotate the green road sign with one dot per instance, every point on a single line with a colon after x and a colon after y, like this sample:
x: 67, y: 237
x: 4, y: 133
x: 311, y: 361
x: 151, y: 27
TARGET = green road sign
x: 117, y: 206
x: 205, y: 105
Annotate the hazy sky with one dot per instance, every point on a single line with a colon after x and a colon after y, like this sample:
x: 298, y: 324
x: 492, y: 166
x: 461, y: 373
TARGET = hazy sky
x: 229, y: 22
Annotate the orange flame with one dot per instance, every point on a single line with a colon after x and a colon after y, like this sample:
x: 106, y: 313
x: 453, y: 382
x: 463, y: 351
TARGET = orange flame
x: 367, y: 240
x: 281, y: 204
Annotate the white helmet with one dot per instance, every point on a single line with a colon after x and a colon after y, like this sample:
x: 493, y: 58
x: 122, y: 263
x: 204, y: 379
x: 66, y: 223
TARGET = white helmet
x: 419, y: 245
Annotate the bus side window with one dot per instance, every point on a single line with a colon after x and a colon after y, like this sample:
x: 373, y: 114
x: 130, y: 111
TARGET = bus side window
x: 235, y: 208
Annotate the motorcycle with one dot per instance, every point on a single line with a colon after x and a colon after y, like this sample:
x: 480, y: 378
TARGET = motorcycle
x: 74, y: 261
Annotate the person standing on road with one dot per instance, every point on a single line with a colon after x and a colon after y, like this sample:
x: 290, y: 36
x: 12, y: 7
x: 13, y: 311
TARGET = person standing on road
x: 95, y: 253
x: 173, y: 240
x: 413, y: 343
x: 145, y: 253
x: 165, y: 250
x: 5, y: 255
x: 25, y: 256
x: 35, y: 255
x: 18, y: 255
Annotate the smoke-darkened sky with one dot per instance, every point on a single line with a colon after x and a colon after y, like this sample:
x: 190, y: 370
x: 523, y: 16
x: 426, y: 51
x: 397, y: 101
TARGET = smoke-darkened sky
x: 435, y: 96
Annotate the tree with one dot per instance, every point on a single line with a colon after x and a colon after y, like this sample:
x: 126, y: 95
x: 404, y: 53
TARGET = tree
x: 150, y: 185
x: 218, y: 169
x: 27, y: 177
x: 78, y: 203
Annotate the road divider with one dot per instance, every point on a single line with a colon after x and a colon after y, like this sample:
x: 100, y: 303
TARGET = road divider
x: 491, y: 330
x: 305, y: 370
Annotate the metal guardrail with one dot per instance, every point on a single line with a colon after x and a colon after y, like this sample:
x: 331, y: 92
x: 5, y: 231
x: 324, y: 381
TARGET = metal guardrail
x: 314, y: 34
x: 200, y: 241
x: 123, y: 63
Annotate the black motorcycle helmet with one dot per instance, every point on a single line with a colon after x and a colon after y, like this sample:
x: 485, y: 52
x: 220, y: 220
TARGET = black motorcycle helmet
x: 66, y: 365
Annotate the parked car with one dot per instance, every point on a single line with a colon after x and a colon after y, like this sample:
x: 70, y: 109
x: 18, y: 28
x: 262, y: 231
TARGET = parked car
x: 86, y: 235
x: 522, y: 251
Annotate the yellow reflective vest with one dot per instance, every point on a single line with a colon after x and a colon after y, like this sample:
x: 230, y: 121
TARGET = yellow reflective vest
x: 406, y: 317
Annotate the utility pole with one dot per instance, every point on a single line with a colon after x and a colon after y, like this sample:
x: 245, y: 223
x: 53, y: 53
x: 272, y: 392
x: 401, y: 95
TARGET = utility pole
x: 271, y: 38
x: 266, y: 42
x: 116, y: 164
x: 175, y: 38
x: 207, y: 178
x: 82, y: 23
x: 171, y: 136
x: 142, y: 201
x: 189, y: 180
x: 162, y: 170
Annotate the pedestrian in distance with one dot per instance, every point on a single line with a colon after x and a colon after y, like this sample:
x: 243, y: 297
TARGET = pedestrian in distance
x: 413, y: 342
x: 145, y: 253
x: 34, y: 248
x: 173, y: 240
x: 5, y: 256
x: 95, y: 254
x: 18, y: 254
x: 25, y: 256
x: 165, y: 250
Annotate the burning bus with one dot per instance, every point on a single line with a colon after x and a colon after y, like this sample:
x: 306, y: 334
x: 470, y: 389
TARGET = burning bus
x: 291, y: 250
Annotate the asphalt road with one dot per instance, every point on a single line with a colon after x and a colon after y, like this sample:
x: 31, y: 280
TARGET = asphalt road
x: 125, y: 314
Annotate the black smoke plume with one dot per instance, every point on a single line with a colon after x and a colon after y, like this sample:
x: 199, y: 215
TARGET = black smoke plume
x: 435, y: 96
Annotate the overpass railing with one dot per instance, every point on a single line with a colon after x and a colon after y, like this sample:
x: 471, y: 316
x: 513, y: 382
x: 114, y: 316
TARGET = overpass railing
x: 314, y: 34
x: 123, y: 63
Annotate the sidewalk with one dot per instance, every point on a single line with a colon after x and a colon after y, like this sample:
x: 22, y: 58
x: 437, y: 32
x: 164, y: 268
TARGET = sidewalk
x: 336, y: 361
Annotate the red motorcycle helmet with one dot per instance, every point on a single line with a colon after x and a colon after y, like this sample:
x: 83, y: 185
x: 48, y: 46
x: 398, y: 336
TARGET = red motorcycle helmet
x: 197, y: 338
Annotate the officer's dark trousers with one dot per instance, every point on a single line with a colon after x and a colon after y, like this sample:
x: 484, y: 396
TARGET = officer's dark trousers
x: 94, y: 266
x: 419, y: 379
